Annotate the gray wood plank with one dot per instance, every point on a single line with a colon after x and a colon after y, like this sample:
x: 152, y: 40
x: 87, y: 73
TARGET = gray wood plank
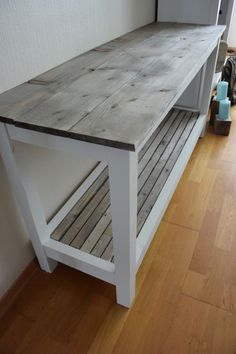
x: 78, y: 208
x: 146, y: 147
x: 149, y: 160
x: 158, y: 164
x: 16, y: 102
x: 108, y: 252
x: 97, y: 199
x: 141, y: 104
x: 67, y: 107
x: 117, y: 94
x: 90, y: 224
x: 97, y: 232
x: 165, y: 165
x: 101, y: 246
x: 157, y: 147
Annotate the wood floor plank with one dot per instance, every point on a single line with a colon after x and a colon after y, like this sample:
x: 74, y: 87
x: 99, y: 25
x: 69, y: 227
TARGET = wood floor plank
x: 227, y: 224
x: 205, y: 243
x: 205, y: 149
x: 110, y: 329
x: 204, y: 324
x: 97, y: 308
x: 191, y: 200
x: 37, y: 301
x: 218, y: 285
x: 14, y: 334
x: 192, y: 327
x: 60, y: 319
x: 169, y: 266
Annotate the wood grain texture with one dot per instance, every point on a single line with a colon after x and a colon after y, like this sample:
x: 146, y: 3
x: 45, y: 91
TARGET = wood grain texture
x: 7, y: 300
x: 88, y: 226
x: 118, y: 93
x: 185, y: 299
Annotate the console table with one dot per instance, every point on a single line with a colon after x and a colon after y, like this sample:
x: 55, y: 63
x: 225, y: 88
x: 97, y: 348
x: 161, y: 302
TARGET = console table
x: 121, y: 105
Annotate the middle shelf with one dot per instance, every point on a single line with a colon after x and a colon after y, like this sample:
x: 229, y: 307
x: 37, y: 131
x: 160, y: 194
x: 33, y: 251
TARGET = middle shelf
x: 88, y: 226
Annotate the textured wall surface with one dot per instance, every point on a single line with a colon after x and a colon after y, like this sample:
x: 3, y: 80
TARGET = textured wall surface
x: 189, y: 11
x: 232, y: 29
x: 34, y: 37
x: 38, y: 35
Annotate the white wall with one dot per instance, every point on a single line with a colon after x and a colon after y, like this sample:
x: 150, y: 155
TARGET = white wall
x: 37, y: 35
x: 15, y: 250
x: 232, y: 29
x: 189, y: 11
x: 225, y: 18
x: 34, y: 37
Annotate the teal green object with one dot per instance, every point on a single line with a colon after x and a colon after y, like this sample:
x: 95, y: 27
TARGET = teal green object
x: 224, y: 109
x: 222, y: 90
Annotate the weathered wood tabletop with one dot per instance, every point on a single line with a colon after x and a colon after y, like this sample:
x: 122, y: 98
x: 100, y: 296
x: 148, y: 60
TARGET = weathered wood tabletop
x: 115, y: 94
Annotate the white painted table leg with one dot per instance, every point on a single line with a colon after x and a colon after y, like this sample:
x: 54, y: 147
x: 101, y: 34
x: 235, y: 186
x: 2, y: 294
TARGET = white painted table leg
x: 123, y: 190
x: 33, y: 218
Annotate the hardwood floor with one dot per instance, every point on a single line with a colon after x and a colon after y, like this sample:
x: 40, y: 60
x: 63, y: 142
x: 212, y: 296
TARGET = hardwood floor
x: 186, y: 286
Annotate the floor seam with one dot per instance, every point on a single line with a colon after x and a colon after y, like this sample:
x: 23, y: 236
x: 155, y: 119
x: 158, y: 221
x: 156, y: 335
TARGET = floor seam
x: 185, y: 227
x: 208, y: 303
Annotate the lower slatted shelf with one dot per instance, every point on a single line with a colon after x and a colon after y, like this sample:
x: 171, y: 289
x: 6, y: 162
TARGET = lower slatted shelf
x: 88, y: 225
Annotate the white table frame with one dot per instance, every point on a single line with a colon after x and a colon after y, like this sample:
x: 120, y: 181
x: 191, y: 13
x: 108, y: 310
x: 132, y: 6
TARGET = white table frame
x: 128, y: 253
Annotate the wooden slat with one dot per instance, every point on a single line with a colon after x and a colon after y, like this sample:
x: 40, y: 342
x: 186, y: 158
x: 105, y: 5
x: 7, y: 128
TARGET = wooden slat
x: 165, y: 165
x: 156, y: 164
x: 96, y: 234
x: 108, y: 253
x: 154, y: 152
x: 159, y: 148
x: 97, y: 198
x: 118, y: 94
x: 100, y: 247
x: 89, y: 225
x: 146, y: 147
x: 166, y: 130
x: 77, y: 209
